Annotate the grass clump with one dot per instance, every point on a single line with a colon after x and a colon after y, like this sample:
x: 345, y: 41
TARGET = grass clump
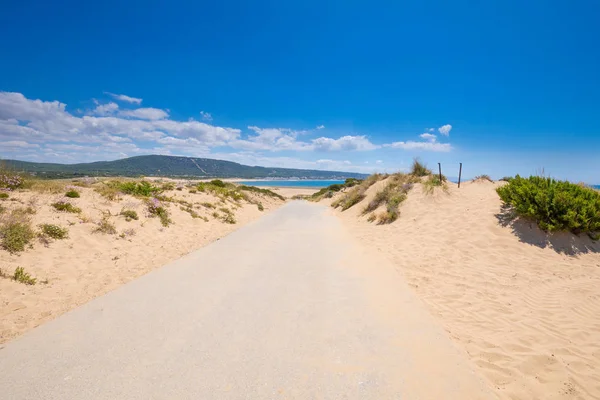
x: 106, y: 227
x: 16, y: 233
x: 72, y: 194
x: 139, y: 189
x: 190, y: 210
x: 54, y: 231
x: 129, y: 215
x: 157, y: 209
x: 23, y: 277
x: 329, y: 191
x: 554, y: 205
x: 260, y: 207
x: 356, y: 194
x: 419, y: 169
x: 109, y: 191
x: 481, y: 178
x: 3, y: 196
x: 208, y: 205
x: 65, y: 206
x: 433, y: 182
x: 218, y: 183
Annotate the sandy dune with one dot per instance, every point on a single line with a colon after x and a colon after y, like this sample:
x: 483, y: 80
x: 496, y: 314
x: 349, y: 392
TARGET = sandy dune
x: 88, y: 264
x: 526, y: 309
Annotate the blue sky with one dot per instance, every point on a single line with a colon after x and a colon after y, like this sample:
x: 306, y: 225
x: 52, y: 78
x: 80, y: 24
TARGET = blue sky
x: 315, y: 84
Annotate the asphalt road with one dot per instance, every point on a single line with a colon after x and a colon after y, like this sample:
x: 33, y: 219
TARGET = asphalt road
x: 288, y: 307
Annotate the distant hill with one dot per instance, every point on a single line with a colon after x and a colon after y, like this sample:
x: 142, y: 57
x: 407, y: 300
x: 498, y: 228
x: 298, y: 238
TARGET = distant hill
x: 170, y: 166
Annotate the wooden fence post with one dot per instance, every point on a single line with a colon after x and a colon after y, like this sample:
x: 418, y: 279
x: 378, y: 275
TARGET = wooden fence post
x: 440, y: 167
x: 459, y: 175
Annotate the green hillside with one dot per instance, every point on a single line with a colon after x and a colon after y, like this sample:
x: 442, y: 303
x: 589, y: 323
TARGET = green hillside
x: 170, y: 166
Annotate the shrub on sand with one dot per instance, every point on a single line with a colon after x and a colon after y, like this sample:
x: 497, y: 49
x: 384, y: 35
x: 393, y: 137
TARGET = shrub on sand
x: 72, y: 193
x: 553, y: 205
x: 419, y: 169
x: 106, y: 227
x: 64, y: 205
x: 356, y: 194
x: 129, y: 215
x: 3, y: 196
x: 433, y: 182
x: 16, y: 233
x: 23, y: 277
x: 157, y: 209
x: 54, y: 231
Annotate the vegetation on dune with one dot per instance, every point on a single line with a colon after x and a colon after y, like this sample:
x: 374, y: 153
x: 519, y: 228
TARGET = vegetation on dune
x: 483, y: 177
x: 157, y: 209
x: 433, y: 182
x: 419, y: 169
x: 23, y: 277
x: 329, y: 191
x: 139, y: 189
x: 54, y: 231
x: 506, y: 178
x: 554, y: 205
x: 72, y: 194
x: 357, y: 193
x: 4, y: 196
x: 129, y: 215
x: 64, y: 205
x: 392, y: 195
x: 16, y: 232
x: 106, y: 227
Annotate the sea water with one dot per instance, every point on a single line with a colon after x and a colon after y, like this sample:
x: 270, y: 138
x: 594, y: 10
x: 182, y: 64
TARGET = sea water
x: 289, y: 183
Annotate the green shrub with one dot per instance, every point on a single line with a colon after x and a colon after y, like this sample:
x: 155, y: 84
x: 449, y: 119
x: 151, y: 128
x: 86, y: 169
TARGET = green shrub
x: 54, y: 231
x: 433, y: 182
x: 72, y: 194
x: 190, y: 211
x: 553, y: 205
x: 157, y: 209
x: 260, y: 207
x: 208, y: 205
x: 506, y: 178
x: 356, y: 194
x: 23, y: 277
x: 419, y: 169
x: 217, y: 183
x: 193, y: 191
x: 3, y: 196
x: 140, y: 189
x: 106, y: 227
x: 168, y: 186
x: 109, y: 191
x: 16, y: 233
x: 63, y: 205
x: 129, y: 215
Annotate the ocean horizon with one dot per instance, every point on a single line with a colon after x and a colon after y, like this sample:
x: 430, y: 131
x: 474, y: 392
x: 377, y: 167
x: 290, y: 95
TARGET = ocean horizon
x: 308, y: 183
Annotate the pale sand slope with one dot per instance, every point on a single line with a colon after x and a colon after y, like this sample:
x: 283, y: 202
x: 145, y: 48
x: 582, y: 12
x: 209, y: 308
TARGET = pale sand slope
x: 526, y: 314
x: 88, y: 264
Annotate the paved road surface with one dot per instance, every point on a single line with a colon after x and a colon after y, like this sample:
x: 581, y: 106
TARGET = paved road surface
x: 289, y: 307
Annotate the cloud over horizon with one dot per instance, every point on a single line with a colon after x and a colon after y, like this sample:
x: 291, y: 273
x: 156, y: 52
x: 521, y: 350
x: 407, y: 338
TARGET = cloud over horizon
x: 39, y: 130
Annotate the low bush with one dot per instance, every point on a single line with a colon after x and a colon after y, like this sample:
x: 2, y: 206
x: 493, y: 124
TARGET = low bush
x: 168, y: 186
x: 11, y: 181
x: 218, y: 183
x: 554, y: 205
x: 3, y: 196
x: 16, y: 233
x: 208, y: 205
x: 157, y: 209
x: 140, y: 189
x: 54, y: 231
x: 129, y: 215
x: 419, y: 169
x: 72, y: 194
x: 190, y: 211
x: 65, y: 206
x: 106, y: 227
x: 260, y: 207
x: 23, y: 277
x: 109, y: 191
x: 192, y: 191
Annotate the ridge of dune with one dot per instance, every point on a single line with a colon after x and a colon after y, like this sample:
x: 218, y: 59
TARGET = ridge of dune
x: 524, y: 306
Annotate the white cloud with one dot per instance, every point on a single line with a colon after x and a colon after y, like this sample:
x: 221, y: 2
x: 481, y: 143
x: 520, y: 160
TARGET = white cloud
x: 343, y: 143
x: 105, y: 109
x: 428, y: 146
x: 445, y: 129
x: 430, y: 129
x: 145, y: 113
x: 125, y: 98
x: 378, y: 162
x: 428, y: 136
x: 206, y: 116
x: 321, y: 127
x: 18, y: 144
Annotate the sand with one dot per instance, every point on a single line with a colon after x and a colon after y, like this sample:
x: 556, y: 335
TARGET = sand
x: 524, y: 307
x: 87, y: 264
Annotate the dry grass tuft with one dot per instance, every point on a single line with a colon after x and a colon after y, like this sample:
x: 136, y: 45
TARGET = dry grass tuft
x: 357, y: 193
